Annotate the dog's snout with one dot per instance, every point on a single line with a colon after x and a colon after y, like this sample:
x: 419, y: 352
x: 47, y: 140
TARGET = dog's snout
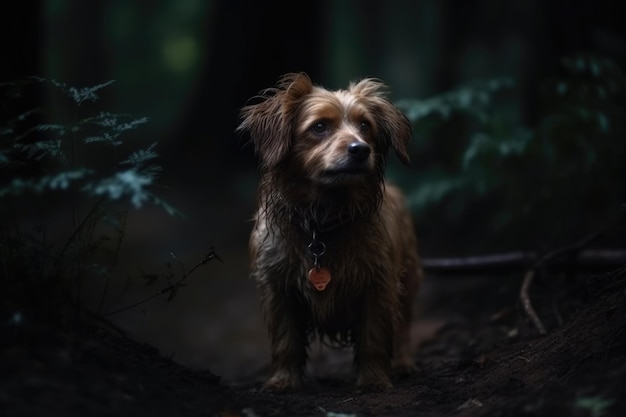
x: 359, y: 151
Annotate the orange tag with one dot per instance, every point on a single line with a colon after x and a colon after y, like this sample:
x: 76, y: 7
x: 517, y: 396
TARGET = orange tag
x: 319, y: 277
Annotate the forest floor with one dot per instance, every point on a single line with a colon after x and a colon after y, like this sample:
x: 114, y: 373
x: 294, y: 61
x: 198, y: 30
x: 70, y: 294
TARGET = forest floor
x: 479, y: 356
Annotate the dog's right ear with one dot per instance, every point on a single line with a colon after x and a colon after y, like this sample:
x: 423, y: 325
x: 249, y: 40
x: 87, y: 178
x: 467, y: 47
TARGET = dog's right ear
x: 270, y: 122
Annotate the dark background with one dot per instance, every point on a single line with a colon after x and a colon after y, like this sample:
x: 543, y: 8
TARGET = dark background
x: 190, y: 65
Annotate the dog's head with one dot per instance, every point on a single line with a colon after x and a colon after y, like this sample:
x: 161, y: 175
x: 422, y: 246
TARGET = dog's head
x: 332, y: 137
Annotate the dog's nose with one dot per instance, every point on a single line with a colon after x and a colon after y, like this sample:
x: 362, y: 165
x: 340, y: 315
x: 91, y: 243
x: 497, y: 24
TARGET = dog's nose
x: 359, y: 151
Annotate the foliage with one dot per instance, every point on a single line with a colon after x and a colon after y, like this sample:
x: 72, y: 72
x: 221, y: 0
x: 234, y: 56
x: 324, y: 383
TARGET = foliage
x: 595, y: 406
x: 59, y: 146
x: 480, y: 166
x: 54, y: 167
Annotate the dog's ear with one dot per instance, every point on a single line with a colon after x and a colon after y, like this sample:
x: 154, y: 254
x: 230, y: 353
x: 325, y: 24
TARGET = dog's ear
x: 270, y: 122
x: 395, y: 129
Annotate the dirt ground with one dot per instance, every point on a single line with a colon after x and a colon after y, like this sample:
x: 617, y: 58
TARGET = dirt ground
x: 477, y: 355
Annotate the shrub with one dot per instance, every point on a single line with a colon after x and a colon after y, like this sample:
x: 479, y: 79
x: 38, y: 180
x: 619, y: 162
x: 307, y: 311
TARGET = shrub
x: 66, y: 188
x: 496, y: 183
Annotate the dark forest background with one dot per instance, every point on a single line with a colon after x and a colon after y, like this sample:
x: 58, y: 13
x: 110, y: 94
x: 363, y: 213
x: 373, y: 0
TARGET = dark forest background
x: 519, y: 110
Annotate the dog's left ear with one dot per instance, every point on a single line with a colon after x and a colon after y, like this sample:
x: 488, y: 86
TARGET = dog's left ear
x: 395, y: 129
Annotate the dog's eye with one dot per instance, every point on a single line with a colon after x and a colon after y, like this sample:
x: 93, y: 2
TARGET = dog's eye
x: 320, y: 127
x: 364, y: 127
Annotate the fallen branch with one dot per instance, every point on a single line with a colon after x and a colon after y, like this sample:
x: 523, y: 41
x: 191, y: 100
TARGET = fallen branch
x: 565, y: 258
x: 595, y: 259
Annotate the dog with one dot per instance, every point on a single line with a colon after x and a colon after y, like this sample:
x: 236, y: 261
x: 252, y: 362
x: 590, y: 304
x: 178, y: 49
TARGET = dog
x: 333, y: 249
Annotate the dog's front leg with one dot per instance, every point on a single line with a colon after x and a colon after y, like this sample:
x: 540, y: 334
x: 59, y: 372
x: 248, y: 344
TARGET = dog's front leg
x: 373, y: 345
x: 288, y: 341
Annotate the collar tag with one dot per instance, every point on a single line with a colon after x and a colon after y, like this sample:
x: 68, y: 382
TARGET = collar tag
x: 319, y: 277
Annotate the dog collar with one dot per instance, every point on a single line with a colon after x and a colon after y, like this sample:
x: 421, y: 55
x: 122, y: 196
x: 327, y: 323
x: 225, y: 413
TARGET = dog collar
x: 327, y: 224
x: 318, y: 275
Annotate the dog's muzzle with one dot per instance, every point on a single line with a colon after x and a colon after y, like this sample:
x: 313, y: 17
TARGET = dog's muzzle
x: 352, y: 166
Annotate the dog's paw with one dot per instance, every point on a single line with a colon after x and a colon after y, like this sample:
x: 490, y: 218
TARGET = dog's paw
x: 373, y: 384
x: 404, y: 367
x: 283, y: 382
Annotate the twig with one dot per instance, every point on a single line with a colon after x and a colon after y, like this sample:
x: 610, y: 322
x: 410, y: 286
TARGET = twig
x: 118, y: 246
x: 172, y: 287
x: 530, y: 275
x: 77, y: 230
x: 576, y: 247
x: 525, y: 299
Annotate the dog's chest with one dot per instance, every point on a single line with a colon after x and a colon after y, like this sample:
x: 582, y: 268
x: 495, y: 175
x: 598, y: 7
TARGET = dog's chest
x: 351, y: 257
x: 357, y: 263
x: 342, y: 260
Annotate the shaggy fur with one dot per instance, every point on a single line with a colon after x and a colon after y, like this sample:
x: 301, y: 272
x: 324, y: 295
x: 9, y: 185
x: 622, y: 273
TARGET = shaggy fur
x: 324, y: 204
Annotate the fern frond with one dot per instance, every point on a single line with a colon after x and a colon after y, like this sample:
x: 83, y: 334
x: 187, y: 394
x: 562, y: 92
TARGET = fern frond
x: 112, y: 126
x: 61, y: 181
x: 81, y: 95
x: 484, y: 144
x: 130, y: 183
x: 138, y: 158
x: 470, y: 99
x: 41, y: 149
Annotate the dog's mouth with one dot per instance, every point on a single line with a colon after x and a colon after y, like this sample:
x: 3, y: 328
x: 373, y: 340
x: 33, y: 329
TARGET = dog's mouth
x: 342, y: 175
x: 347, y: 171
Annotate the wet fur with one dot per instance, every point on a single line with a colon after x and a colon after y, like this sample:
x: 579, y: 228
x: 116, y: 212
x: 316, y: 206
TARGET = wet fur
x: 312, y: 183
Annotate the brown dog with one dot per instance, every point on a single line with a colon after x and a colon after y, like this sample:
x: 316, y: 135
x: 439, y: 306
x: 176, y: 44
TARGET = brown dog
x: 333, y: 249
